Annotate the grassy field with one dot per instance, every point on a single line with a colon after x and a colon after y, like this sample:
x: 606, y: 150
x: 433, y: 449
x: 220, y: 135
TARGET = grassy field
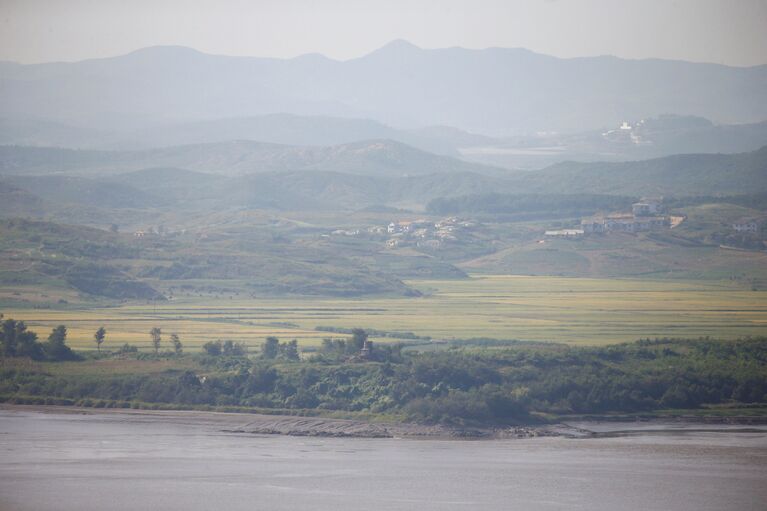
x: 571, y: 310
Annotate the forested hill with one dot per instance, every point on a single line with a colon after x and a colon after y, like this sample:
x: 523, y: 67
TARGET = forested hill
x: 385, y: 158
x: 679, y: 175
x: 120, y: 266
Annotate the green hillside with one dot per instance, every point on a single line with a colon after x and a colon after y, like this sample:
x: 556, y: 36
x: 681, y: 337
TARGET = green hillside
x: 692, y: 250
x: 240, y: 260
x: 679, y: 175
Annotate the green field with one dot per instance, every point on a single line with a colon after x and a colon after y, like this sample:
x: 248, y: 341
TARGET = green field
x: 571, y: 310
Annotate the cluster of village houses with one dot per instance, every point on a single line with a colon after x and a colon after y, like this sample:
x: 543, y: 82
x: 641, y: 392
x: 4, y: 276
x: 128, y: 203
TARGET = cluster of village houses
x: 646, y: 215
x: 750, y: 225
x: 418, y: 233
x: 159, y: 230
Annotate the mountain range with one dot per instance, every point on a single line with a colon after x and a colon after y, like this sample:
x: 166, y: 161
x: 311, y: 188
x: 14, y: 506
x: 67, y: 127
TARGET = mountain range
x: 284, y: 129
x: 495, y: 91
x: 351, y: 177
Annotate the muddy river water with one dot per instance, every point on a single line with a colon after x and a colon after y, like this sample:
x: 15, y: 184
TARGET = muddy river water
x: 67, y: 461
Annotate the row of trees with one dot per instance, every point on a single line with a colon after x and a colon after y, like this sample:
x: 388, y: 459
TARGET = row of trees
x: 156, y: 335
x: 225, y: 348
x: 16, y: 340
x: 22, y: 342
x: 274, y: 349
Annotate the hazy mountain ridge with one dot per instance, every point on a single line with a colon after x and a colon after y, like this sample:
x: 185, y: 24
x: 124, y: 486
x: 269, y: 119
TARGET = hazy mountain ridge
x: 496, y: 90
x: 283, y: 129
x: 370, y: 157
x: 57, y: 189
x: 650, y: 138
x: 190, y: 190
x: 348, y: 177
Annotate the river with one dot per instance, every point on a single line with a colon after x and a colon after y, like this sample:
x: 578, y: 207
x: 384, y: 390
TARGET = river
x: 53, y: 460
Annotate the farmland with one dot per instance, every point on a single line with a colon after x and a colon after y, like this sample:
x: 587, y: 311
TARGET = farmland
x: 571, y: 310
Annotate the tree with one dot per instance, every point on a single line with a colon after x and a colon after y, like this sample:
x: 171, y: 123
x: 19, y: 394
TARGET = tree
x: 212, y: 348
x: 56, y: 348
x: 225, y: 348
x: 357, y: 342
x: 9, y: 337
x: 156, y: 335
x: 99, y: 337
x: 261, y: 380
x: 233, y: 349
x: 58, y: 335
x: 335, y: 348
x: 27, y: 343
x: 271, y: 348
x: 177, y: 346
x: 17, y: 341
x: 289, y: 350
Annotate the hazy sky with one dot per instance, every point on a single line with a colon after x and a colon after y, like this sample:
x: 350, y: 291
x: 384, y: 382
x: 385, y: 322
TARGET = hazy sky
x: 725, y: 31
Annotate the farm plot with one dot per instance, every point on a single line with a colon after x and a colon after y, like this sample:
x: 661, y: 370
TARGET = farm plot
x: 570, y: 310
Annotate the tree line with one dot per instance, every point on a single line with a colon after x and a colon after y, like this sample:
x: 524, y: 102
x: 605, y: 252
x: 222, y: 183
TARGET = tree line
x: 16, y: 340
x: 487, y: 383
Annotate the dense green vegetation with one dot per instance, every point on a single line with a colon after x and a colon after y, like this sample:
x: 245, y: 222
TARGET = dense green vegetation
x: 479, y: 383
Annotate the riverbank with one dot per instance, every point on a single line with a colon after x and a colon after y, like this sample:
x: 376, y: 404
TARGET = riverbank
x: 520, y: 383
x: 293, y: 425
x: 301, y: 426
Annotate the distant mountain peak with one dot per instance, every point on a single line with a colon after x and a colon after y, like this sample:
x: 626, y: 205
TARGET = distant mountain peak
x: 398, y: 45
x: 168, y: 50
x: 312, y: 57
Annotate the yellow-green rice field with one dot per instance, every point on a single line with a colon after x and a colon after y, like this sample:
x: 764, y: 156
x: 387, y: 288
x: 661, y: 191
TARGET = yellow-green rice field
x: 572, y: 310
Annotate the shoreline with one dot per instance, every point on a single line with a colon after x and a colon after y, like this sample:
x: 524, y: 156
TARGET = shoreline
x: 303, y: 426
